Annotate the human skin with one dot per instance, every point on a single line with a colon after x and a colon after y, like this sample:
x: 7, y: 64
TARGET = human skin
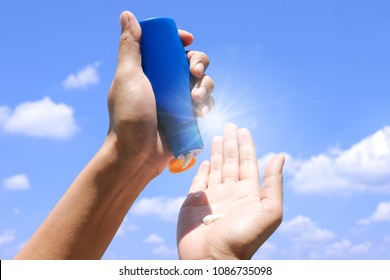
x: 84, y: 221
x: 228, y: 187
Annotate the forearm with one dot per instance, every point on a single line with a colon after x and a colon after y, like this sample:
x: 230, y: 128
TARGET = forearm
x: 83, y: 223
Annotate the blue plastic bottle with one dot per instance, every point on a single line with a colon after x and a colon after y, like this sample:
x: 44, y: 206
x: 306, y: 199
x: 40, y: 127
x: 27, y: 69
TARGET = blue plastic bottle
x: 165, y: 63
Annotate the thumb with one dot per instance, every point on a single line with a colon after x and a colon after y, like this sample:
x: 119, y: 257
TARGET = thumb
x: 272, y: 188
x: 129, y: 56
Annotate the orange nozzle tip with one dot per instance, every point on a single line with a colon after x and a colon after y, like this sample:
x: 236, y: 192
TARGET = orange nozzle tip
x: 176, y: 165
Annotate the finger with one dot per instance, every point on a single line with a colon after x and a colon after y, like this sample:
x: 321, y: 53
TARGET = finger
x: 272, y: 190
x: 199, y: 183
x: 216, y: 161
x: 129, y: 56
x: 186, y: 37
x: 199, y: 62
x: 249, y: 169
x: 205, y: 107
x: 202, y: 89
x: 230, y: 169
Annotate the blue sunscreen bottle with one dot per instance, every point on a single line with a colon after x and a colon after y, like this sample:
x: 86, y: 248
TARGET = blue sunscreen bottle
x: 165, y: 63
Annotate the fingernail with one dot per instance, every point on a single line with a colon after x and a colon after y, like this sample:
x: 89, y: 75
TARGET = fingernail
x: 200, y: 68
x: 205, y: 110
x: 283, y: 159
x: 124, y: 19
x: 200, y: 92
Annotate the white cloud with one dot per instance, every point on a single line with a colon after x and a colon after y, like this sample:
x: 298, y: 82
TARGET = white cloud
x: 345, y: 247
x: 163, y: 249
x: 362, y: 168
x: 160, y: 246
x: 42, y: 118
x: 361, y: 248
x: 165, y: 208
x: 303, y: 229
x: 312, y: 242
x: 341, y: 249
x: 154, y: 238
x: 319, y: 175
x: 7, y: 236
x: 18, y: 182
x: 381, y: 214
x: 83, y: 78
x: 338, y: 248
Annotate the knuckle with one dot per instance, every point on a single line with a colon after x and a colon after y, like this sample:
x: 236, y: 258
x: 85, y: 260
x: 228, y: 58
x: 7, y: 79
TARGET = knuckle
x: 209, y: 83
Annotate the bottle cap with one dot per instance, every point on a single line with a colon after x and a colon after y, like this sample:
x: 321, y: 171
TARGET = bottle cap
x: 183, y: 163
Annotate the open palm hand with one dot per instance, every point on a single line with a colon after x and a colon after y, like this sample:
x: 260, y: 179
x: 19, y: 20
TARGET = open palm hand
x: 226, y: 214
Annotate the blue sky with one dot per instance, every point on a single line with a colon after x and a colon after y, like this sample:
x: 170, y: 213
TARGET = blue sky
x: 308, y: 78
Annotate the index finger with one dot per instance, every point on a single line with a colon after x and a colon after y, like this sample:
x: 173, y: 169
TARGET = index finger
x: 199, y: 61
x: 186, y: 37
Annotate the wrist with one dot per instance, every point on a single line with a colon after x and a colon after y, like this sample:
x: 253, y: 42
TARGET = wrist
x: 207, y: 254
x: 84, y: 221
x: 127, y: 164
